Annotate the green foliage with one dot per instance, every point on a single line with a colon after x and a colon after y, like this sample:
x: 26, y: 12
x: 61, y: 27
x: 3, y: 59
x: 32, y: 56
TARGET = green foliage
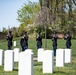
x: 20, y: 29
x: 14, y: 31
x: 61, y: 15
x: 26, y: 15
x: 27, y: 12
x: 4, y: 30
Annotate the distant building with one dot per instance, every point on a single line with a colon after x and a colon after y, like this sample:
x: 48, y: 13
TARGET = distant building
x: 60, y: 35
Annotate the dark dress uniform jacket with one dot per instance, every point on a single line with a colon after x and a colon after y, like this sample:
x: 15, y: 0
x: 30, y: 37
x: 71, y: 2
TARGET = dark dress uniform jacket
x: 24, y: 41
x: 54, y: 39
x: 39, y: 40
x: 9, y: 38
x: 68, y: 40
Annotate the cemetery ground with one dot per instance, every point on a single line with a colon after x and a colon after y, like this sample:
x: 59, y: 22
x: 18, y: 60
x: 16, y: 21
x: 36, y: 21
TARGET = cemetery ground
x: 68, y: 69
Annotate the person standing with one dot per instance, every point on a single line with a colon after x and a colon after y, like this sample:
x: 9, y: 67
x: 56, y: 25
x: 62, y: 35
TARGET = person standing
x: 24, y: 41
x: 68, y: 40
x: 39, y: 40
x: 9, y: 39
x: 54, y: 40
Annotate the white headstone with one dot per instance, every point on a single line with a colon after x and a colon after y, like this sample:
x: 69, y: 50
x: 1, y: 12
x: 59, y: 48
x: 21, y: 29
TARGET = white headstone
x: 48, y: 61
x: 1, y: 57
x: 16, y: 54
x: 8, y: 60
x: 60, y: 57
x: 40, y: 54
x: 26, y: 63
x: 67, y: 55
x: 29, y: 50
x: 14, y: 44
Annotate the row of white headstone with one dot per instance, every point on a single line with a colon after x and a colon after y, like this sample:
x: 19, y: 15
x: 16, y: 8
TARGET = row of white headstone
x: 47, y: 57
x: 25, y: 59
x: 8, y: 58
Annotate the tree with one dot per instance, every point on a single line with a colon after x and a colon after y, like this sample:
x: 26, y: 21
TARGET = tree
x: 58, y: 11
x: 27, y: 12
x: 15, y: 31
x: 4, y: 30
x: 58, y: 15
x: 74, y: 1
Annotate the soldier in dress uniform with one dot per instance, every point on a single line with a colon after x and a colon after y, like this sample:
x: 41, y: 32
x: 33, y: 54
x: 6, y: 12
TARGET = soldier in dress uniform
x: 68, y: 40
x: 9, y: 39
x: 39, y: 41
x: 24, y: 41
x: 54, y: 40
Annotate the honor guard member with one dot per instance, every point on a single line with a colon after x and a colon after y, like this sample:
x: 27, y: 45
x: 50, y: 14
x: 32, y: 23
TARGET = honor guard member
x: 54, y: 40
x: 9, y: 39
x: 39, y: 41
x: 68, y: 40
x: 24, y: 41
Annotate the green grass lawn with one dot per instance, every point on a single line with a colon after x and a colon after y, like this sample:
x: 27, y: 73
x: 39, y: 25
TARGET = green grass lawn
x: 69, y: 69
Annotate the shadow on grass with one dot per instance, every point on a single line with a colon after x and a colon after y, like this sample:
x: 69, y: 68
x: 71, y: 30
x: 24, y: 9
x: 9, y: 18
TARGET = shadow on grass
x: 15, y: 70
x: 60, y: 73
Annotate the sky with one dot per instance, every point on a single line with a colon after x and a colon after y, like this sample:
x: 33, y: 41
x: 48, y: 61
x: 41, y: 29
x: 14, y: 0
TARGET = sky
x: 8, y: 12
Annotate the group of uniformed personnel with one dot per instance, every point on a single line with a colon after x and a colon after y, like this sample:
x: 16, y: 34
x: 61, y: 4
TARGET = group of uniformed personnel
x: 24, y: 41
x: 67, y: 38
